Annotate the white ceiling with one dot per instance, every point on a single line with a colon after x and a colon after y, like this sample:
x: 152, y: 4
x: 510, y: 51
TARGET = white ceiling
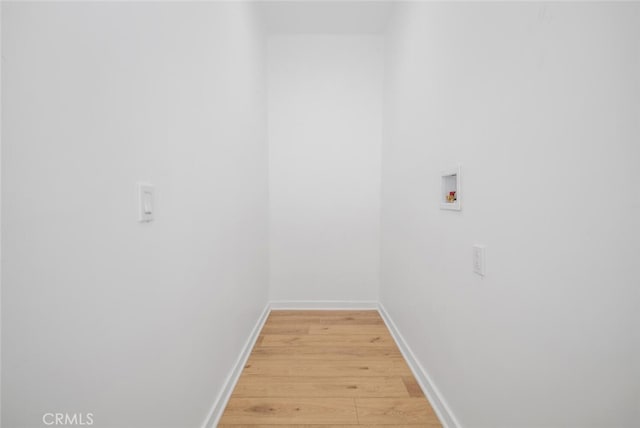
x: 332, y: 17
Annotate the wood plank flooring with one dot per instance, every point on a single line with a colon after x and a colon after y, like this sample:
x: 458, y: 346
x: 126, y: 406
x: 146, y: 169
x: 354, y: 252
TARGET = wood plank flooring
x: 327, y: 369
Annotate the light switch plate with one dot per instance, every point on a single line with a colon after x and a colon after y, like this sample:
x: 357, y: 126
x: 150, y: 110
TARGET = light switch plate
x: 146, y: 196
x: 479, y: 259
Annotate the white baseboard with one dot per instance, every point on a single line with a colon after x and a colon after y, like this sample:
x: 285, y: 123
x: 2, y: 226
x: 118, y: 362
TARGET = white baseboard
x: 431, y: 391
x: 428, y: 387
x: 324, y: 304
x: 223, y: 398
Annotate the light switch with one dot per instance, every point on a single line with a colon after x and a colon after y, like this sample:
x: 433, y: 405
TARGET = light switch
x: 479, y: 261
x: 145, y: 202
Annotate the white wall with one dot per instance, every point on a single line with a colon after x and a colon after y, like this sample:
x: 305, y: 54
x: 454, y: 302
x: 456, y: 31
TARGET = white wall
x: 325, y: 106
x: 540, y: 104
x: 325, y: 17
x: 137, y: 323
x: 0, y: 215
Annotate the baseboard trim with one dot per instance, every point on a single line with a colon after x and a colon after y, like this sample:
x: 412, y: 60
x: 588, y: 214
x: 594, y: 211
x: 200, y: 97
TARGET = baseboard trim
x: 223, y: 398
x: 324, y: 304
x: 431, y: 391
x: 438, y: 403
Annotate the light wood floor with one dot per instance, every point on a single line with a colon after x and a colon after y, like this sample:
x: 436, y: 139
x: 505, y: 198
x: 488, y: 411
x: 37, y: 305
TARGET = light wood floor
x: 327, y: 368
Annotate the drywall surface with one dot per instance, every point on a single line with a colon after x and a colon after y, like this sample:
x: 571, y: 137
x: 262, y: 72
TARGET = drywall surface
x: 325, y: 106
x: 0, y: 214
x: 325, y: 17
x: 541, y: 106
x: 138, y: 324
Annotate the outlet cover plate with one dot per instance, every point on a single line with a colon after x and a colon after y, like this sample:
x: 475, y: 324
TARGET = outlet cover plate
x: 479, y: 259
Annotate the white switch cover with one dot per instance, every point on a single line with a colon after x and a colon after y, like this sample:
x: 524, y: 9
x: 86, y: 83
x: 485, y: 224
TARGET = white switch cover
x: 145, y: 202
x: 479, y: 263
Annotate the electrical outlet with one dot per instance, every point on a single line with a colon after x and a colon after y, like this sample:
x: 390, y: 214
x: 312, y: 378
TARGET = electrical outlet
x: 479, y: 263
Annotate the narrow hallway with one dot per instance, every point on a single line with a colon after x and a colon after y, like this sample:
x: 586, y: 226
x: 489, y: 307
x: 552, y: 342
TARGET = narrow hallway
x: 319, y: 213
